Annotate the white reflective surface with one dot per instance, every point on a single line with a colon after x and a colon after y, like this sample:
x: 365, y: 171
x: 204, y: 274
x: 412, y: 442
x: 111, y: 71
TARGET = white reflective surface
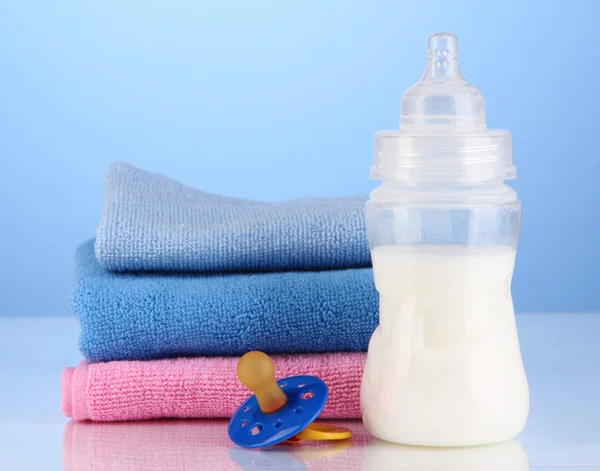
x: 561, y: 355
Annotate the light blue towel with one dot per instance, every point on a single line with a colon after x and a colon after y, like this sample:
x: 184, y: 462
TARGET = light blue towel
x: 146, y: 316
x: 152, y: 223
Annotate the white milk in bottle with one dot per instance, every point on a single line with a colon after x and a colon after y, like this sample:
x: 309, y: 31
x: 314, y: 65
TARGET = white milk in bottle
x: 444, y: 366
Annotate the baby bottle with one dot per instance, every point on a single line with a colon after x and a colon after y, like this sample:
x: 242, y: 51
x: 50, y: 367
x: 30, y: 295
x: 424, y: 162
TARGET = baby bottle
x: 444, y: 365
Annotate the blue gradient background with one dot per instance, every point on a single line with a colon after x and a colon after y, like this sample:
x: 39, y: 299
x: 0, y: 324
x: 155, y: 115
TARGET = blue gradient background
x: 274, y: 100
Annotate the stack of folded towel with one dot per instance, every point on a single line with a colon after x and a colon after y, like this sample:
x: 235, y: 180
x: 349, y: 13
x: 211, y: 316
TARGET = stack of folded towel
x: 179, y: 283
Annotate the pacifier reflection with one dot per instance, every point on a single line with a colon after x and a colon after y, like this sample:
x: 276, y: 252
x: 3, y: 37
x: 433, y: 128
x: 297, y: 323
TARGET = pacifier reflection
x: 204, y: 445
x: 290, y: 456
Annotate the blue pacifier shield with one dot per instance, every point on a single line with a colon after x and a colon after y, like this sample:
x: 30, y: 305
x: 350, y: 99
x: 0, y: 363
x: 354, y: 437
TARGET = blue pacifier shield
x: 251, y: 428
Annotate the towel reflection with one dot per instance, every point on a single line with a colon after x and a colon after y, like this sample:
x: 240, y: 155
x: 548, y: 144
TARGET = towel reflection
x: 204, y: 445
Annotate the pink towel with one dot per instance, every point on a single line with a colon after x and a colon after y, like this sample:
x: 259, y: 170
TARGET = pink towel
x: 183, y: 445
x: 204, y: 387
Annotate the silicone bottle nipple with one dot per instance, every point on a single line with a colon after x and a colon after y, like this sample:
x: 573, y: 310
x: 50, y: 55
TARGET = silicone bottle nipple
x: 256, y: 371
x: 442, y: 101
x: 443, y: 135
x: 442, y: 54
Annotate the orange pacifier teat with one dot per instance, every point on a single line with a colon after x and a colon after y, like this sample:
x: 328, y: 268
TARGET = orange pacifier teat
x: 256, y: 371
x: 279, y: 410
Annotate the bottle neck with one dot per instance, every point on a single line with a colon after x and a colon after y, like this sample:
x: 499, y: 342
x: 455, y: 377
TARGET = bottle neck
x: 454, y: 194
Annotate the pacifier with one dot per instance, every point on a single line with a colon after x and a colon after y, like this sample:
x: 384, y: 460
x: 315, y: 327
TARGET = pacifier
x: 279, y: 411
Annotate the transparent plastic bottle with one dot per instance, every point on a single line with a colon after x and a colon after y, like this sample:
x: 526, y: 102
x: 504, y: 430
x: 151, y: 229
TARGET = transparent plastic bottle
x: 444, y: 365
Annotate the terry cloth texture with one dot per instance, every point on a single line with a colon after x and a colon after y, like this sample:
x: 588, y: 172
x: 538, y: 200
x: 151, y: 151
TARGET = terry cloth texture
x: 150, y: 316
x: 197, y: 387
x: 152, y: 223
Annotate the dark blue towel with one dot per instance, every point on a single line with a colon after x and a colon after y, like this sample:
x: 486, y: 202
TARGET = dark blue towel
x: 147, y: 316
x: 152, y: 223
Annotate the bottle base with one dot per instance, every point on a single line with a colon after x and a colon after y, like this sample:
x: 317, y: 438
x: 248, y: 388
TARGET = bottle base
x: 443, y: 444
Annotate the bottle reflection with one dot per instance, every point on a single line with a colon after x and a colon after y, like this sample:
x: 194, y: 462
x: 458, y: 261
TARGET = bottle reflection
x: 204, y: 445
x: 509, y: 455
